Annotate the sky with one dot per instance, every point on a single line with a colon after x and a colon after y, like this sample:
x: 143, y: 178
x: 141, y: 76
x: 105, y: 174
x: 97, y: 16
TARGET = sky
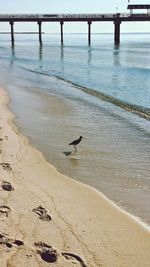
x: 70, y: 6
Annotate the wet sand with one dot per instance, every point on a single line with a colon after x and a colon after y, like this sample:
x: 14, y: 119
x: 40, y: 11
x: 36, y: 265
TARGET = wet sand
x: 114, y: 157
x: 47, y: 217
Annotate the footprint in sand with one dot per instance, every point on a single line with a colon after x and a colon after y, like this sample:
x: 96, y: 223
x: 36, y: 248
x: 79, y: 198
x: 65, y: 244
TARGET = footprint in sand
x: 47, y: 252
x: 43, y: 213
x: 8, y: 242
x: 6, y: 166
x: 4, y: 211
x: 1, y: 139
x: 73, y: 258
x: 7, y: 186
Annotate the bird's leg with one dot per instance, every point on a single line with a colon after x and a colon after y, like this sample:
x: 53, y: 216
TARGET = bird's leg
x: 75, y: 148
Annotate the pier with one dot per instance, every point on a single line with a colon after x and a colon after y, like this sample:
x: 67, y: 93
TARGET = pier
x: 116, y: 19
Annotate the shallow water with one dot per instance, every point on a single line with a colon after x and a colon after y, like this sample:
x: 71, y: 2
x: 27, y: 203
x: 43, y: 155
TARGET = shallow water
x: 51, y: 110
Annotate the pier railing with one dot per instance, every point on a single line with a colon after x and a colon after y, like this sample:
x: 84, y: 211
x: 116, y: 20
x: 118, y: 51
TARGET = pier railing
x: 73, y: 16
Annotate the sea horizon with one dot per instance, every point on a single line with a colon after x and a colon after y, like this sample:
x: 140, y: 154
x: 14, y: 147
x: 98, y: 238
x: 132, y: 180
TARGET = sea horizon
x: 57, y: 33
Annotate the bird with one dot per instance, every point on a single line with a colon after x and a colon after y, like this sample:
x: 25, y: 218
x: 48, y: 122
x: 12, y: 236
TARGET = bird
x: 76, y: 142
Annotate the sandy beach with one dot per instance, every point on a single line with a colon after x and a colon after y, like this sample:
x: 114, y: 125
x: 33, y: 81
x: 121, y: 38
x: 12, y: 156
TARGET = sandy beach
x: 49, y: 219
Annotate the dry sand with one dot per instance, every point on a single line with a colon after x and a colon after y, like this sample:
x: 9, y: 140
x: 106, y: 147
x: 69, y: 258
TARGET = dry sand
x: 48, y: 219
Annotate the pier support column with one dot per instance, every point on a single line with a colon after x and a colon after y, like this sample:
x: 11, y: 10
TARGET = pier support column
x: 117, y: 32
x: 61, y: 29
x: 40, y: 32
x: 89, y: 32
x: 12, y: 32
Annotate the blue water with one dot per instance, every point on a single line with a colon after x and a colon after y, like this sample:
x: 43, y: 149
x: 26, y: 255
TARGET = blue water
x: 101, y: 92
x: 123, y: 73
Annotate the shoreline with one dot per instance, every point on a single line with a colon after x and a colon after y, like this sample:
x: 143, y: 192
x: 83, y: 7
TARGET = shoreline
x: 65, y: 221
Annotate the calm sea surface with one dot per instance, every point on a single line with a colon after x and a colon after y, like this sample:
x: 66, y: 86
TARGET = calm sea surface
x: 101, y: 92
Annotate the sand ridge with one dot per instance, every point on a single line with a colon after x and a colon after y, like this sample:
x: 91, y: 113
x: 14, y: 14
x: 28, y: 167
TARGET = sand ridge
x: 48, y: 219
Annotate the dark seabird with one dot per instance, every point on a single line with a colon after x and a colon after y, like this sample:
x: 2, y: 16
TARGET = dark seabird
x: 76, y: 142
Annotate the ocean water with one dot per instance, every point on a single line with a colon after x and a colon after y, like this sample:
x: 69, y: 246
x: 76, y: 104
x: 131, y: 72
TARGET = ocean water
x: 101, y: 92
